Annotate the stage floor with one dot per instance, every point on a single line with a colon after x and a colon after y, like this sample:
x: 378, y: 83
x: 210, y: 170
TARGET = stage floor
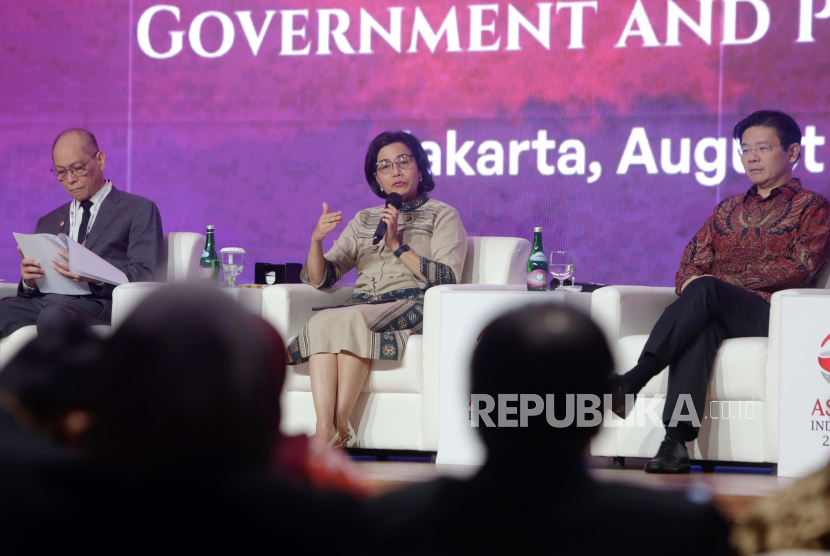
x: 732, y: 492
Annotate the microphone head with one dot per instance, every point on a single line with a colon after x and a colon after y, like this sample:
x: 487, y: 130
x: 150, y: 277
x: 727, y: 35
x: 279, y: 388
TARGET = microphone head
x: 395, y: 200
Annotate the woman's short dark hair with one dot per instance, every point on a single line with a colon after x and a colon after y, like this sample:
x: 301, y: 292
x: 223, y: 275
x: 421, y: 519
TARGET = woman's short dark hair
x: 784, y: 125
x: 387, y: 138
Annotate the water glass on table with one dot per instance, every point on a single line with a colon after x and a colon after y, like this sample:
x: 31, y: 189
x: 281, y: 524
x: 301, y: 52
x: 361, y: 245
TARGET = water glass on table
x: 233, y: 261
x: 562, y: 267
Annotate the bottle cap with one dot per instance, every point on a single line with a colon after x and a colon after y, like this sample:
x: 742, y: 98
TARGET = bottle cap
x: 539, y: 229
x: 210, y: 227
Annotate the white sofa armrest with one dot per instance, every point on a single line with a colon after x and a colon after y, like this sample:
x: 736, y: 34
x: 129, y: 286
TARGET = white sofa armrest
x: 8, y: 290
x: 183, y: 251
x: 288, y: 306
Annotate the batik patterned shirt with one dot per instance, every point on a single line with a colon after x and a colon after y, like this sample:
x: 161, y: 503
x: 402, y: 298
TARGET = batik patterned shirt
x: 762, y: 245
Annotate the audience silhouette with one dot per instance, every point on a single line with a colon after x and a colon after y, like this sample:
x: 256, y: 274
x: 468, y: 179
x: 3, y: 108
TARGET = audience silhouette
x: 793, y: 520
x: 44, y: 393
x: 183, y: 407
x: 165, y: 436
x: 533, y: 495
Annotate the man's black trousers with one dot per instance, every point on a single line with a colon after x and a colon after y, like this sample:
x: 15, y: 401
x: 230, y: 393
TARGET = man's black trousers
x: 687, y: 336
x: 52, y: 312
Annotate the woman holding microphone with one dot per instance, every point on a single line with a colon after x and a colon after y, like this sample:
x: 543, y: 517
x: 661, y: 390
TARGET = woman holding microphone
x: 424, y: 246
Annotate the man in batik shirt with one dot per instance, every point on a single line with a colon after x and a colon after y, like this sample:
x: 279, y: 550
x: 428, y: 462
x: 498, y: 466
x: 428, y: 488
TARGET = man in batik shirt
x: 771, y: 238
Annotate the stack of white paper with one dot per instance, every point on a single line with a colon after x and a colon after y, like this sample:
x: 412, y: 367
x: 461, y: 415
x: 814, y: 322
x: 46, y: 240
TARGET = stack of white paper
x: 83, y: 262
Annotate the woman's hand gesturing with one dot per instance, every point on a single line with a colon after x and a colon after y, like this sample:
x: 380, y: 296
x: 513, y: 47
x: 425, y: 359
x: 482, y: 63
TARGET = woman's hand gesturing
x: 390, y: 216
x: 328, y: 221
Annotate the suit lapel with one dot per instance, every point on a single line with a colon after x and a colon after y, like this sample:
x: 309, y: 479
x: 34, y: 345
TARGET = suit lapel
x: 106, y: 214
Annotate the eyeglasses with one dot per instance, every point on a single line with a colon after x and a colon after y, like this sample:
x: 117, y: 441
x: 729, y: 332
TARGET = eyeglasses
x: 404, y: 162
x: 80, y: 170
x: 760, y: 150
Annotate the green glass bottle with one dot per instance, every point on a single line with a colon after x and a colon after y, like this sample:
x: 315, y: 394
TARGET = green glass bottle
x: 537, y: 265
x: 210, y: 265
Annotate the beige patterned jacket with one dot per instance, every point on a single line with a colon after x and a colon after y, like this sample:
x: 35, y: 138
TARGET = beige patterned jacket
x: 432, y: 229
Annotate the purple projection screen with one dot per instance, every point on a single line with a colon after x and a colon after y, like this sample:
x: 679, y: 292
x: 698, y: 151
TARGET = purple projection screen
x: 607, y: 122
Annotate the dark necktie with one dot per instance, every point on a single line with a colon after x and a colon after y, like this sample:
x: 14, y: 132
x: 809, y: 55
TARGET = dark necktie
x: 87, y: 206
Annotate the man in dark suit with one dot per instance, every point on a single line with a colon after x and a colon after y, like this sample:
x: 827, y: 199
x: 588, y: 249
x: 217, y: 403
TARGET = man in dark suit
x: 534, y: 495
x: 121, y: 228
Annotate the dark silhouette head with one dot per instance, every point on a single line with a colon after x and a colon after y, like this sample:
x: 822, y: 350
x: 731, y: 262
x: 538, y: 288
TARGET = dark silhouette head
x: 540, y: 350
x: 53, y: 385
x: 193, y: 377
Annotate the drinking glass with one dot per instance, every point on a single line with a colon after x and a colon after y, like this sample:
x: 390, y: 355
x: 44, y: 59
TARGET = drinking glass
x: 562, y: 267
x: 233, y: 261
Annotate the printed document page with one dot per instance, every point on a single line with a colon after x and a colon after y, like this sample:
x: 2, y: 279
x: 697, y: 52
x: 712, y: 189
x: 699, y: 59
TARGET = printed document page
x: 43, y: 248
x: 83, y: 262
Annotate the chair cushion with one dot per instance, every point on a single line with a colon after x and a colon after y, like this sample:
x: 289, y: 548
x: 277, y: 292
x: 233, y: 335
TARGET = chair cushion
x: 739, y: 373
x: 405, y: 377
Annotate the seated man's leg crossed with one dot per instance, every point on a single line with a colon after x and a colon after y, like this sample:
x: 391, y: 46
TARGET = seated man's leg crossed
x: 686, y: 338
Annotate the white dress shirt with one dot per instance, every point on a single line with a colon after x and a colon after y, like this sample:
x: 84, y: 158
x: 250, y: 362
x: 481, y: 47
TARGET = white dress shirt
x: 78, y: 211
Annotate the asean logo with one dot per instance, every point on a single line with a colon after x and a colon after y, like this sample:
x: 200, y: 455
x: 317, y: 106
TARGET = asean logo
x: 824, y: 361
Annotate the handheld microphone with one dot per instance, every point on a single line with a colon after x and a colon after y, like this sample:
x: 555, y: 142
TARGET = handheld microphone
x: 396, y: 201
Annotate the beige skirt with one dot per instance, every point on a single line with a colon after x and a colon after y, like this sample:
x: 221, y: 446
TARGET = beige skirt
x: 368, y: 331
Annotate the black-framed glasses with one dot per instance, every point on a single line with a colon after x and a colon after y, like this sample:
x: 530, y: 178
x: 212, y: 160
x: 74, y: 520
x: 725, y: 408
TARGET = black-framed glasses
x: 760, y: 150
x: 404, y: 162
x: 79, y: 170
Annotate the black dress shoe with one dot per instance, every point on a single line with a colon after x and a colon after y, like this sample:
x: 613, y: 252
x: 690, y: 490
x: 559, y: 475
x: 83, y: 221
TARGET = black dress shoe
x: 619, y: 387
x: 672, y: 457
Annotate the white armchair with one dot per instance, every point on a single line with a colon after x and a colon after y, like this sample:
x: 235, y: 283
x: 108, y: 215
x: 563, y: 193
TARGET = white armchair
x: 182, y: 251
x: 398, y: 407
x: 740, y: 422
